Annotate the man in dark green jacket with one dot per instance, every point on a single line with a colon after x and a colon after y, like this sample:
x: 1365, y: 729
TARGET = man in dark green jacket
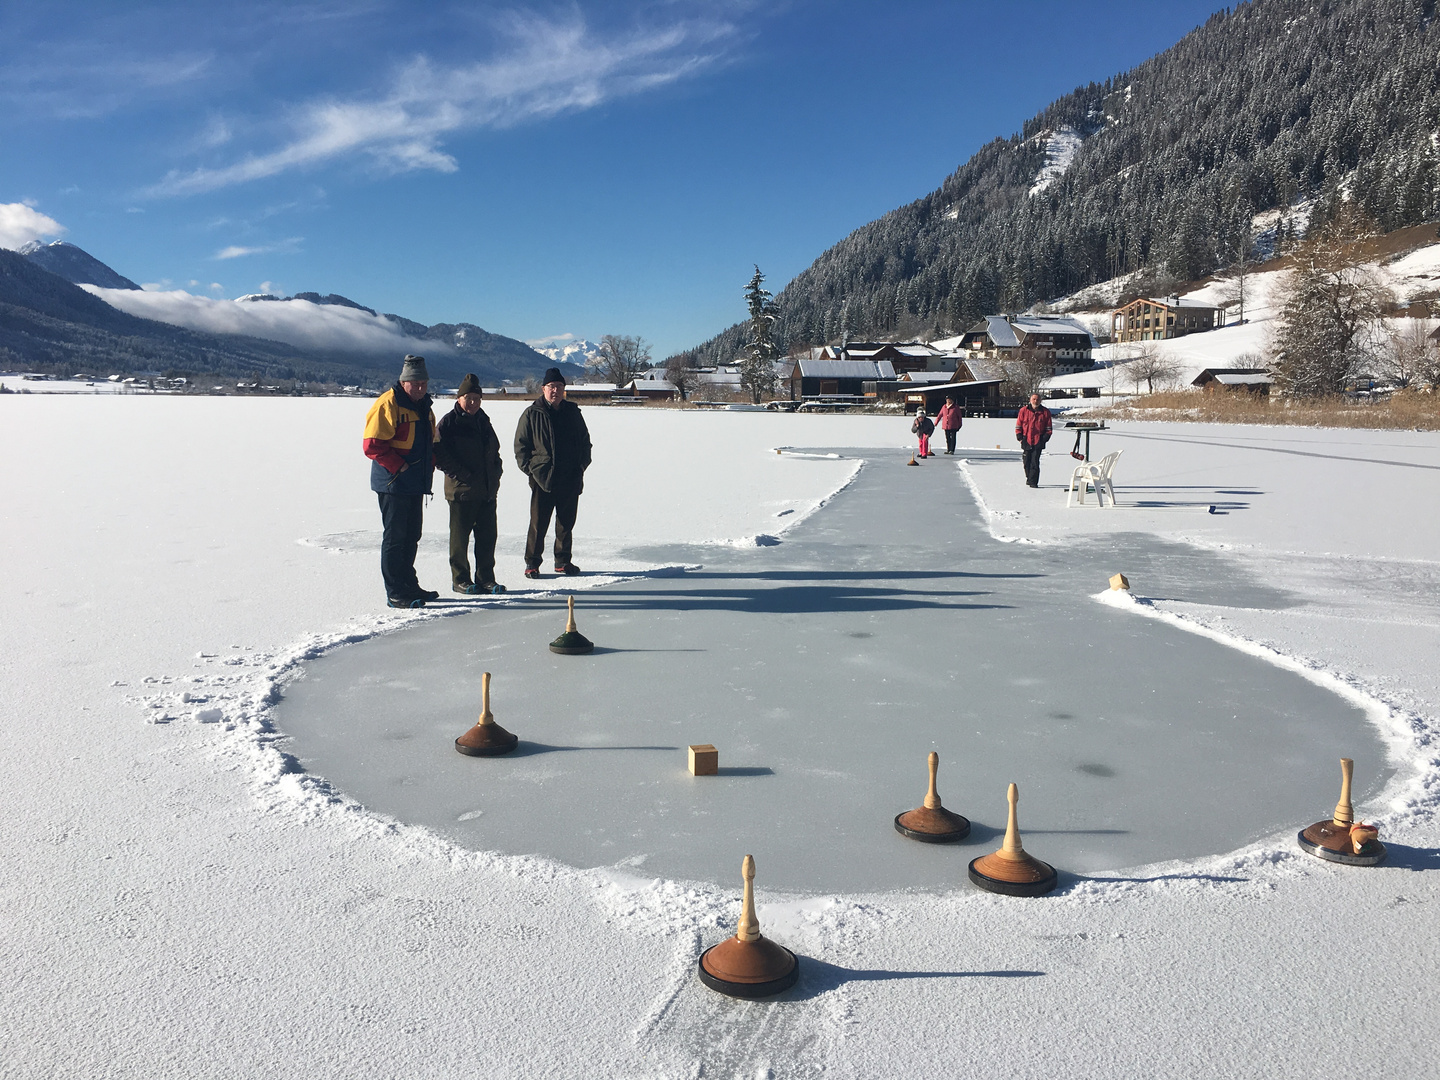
x: 468, y: 453
x: 552, y: 446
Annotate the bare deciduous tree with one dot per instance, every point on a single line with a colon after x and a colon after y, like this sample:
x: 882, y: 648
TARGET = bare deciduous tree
x: 1235, y: 289
x: 1410, y: 357
x: 683, y: 375
x: 1151, y: 367
x: 1024, y: 374
x: 621, y: 358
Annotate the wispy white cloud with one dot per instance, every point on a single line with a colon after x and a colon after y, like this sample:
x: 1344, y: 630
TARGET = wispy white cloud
x: 235, y: 251
x: 298, y: 322
x: 93, y: 79
x: 550, y: 66
x: 553, y: 339
x: 20, y: 223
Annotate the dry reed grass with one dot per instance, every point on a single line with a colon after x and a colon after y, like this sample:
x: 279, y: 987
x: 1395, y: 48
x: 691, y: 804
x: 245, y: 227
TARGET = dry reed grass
x: 1406, y: 410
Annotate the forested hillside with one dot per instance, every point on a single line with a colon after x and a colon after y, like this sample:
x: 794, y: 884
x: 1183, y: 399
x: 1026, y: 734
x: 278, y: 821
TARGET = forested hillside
x: 1163, y: 167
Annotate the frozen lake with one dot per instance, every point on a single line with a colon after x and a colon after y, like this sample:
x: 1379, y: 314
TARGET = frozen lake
x: 825, y: 668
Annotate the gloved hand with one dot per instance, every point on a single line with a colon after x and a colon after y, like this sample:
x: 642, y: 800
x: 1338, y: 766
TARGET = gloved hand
x: 1020, y: 438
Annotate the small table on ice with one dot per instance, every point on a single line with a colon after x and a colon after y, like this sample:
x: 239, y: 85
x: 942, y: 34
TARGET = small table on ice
x: 1083, y: 427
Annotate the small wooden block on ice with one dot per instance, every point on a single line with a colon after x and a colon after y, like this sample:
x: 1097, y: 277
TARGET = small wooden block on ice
x: 704, y: 760
x: 1119, y: 581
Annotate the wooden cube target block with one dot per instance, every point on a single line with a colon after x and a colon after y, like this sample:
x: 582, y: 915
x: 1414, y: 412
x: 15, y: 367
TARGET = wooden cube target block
x: 1119, y: 581
x: 704, y: 760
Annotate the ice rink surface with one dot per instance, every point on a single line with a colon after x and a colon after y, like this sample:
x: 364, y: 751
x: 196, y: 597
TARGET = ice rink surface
x: 825, y: 667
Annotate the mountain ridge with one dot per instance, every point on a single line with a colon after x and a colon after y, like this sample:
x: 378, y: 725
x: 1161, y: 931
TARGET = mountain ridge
x: 49, y: 321
x: 1266, y: 105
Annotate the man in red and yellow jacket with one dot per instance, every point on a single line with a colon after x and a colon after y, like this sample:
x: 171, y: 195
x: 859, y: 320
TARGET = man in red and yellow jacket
x: 400, y: 443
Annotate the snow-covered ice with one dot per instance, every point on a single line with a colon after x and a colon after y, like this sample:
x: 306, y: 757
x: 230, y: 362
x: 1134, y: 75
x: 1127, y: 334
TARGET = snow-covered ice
x: 183, y: 899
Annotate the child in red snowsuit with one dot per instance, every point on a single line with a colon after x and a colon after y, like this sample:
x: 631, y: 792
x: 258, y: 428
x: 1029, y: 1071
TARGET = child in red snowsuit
x: 924, y: 427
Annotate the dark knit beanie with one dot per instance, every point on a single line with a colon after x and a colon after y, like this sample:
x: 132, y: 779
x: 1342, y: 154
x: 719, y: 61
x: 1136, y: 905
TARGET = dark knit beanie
x: 414, y: 370
x: 468, y: 385
x: 552, y: 375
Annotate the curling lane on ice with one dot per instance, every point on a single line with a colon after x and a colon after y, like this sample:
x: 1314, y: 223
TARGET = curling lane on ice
x: 886, y: 625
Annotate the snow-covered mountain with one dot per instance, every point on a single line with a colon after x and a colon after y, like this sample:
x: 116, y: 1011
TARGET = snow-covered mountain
x: 581, y: 352
x: 75, y: 265
x: 66, y: 310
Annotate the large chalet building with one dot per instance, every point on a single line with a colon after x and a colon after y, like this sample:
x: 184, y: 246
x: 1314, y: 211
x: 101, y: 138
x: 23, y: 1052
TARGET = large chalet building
x: 1057, y: 339
x: 903, y: 356
x: 1157, y: 320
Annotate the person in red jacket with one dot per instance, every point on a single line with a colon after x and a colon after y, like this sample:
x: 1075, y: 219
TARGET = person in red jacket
x: 949, y: 420
x: 1032, y: 432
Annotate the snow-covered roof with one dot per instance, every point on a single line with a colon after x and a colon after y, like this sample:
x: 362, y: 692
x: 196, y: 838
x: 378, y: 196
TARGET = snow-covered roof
x: 721, y: 377
x: 845, y: 369
x: 1106, y: 378
x: 1254, y: 378
x: 998, y: 327
x: 926, y: 376
x: 1048, y: 324
x: 1172, y: 302
x: 985, y: 369
x: 592, y: 388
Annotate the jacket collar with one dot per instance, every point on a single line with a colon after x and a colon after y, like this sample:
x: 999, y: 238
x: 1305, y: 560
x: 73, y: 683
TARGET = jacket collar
x: 405, y: 400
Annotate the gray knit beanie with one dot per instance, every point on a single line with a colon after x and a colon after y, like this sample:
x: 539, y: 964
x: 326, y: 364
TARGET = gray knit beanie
x: 414, y: 370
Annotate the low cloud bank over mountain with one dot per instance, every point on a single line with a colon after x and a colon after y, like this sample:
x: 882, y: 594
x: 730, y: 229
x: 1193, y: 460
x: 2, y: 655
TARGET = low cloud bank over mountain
x: 328, y: 327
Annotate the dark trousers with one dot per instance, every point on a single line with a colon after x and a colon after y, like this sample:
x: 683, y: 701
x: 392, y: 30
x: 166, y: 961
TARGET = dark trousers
x: 564, y: 505
x: 471, y: 517
x: 1031, y: 458
x: 402, y: 517
x: 950, y: 434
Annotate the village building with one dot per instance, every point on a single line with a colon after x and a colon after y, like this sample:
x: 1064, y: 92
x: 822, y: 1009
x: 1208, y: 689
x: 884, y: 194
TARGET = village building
x: 904, y: 356
x: 827, y: 378
x: 1254, y: 380
x: 975, y: 385
x: 648, y: 389
x: 594, y: 393
x: 1056, y: 339
x: 1158, y: 320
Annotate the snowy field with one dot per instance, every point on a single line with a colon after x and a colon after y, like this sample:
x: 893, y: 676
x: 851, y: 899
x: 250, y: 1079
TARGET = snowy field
x: 182, y: 899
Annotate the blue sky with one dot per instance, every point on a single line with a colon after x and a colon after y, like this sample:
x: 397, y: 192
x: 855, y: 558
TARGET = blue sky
x: 539, y: 170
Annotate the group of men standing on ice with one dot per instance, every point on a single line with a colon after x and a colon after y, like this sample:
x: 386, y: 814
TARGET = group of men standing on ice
x: 552, y: 447
x: 405, y: 445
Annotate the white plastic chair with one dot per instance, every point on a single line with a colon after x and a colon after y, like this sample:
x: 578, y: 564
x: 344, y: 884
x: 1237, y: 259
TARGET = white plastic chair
x: 1094, y: 474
